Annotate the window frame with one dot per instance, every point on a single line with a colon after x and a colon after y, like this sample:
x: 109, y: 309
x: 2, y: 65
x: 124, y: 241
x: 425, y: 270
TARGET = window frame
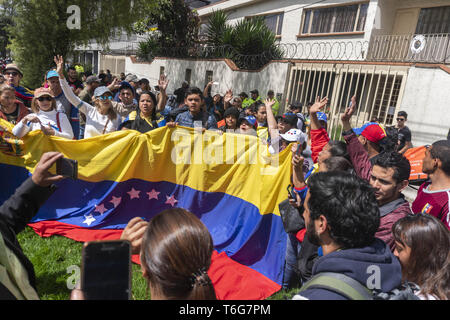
x: 279, y: 14
x: 301, y: 34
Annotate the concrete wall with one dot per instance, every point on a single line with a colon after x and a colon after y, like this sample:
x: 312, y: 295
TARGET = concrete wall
x: 427, y: 101
x: 272, y: 76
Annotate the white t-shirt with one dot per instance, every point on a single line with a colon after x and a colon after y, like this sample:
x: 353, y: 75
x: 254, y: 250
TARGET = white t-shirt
x: 96, y: 123
x: 56, y: 120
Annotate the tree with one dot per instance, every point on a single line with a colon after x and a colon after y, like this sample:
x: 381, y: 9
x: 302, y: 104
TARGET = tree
x: 173, y: 29
x: 41, y: 31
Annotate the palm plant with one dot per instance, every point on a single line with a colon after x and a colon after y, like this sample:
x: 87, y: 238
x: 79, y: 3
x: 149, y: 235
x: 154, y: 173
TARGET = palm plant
x: 249, y: 43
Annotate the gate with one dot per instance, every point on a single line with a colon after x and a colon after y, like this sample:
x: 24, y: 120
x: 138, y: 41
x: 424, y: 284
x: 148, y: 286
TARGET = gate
x: 378, y: 88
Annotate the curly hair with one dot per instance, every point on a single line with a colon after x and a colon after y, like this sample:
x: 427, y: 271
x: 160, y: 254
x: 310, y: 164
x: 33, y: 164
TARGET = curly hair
x: 349, y: 205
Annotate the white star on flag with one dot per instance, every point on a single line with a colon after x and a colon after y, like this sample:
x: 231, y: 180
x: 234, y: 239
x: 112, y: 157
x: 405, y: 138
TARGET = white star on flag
x: 116, y: 201
x: 171, y: 200
x: 89, y: 219
x: 101, y: 209
x: 134, y: 193
x: 153, y: 194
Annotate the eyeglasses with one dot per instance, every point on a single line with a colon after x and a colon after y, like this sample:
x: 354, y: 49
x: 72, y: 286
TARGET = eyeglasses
x: 45, y: 98
x: 106, y: 97
x: 400, y: 119
x: 14, y: 74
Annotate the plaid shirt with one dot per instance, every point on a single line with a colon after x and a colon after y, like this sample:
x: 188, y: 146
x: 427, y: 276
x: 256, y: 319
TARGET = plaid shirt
x: 186, y: 119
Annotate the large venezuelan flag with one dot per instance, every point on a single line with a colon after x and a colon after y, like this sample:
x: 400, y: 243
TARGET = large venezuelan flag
x: 229, y: 181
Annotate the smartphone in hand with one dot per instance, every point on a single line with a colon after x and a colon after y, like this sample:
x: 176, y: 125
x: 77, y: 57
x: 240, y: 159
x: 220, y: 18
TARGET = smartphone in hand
x: 106, y: 270
x: 67, y: 168
x: 291, y: 192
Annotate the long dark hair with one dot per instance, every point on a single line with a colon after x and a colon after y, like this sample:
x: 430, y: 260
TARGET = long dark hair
x: 429, y: 261
x: 153, y: 97
x: 176, y: 254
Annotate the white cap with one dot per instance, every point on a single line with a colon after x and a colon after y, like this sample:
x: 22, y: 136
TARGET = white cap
x: 294, y: 135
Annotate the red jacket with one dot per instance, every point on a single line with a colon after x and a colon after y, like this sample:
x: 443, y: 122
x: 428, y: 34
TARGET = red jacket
x: 23, y: 111
x: 319, y: 138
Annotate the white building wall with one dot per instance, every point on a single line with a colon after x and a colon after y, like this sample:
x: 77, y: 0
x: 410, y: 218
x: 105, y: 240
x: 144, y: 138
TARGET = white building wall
x: 272, y: 76
x: 427, y: 101
x: 347, y: 47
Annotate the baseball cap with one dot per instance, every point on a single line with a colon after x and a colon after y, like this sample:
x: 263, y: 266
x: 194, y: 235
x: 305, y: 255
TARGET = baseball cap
x: 131, y: 78
x: 12, y: 66
x: 294, y: 135
x: 290, y: 118
x: 92, y: 79
x: 52, y: 74
x: 372, y: 131
x: 254, y: 91
x: 39, y: 92
x: 101, y: 91
x: 321, y: 116
x: 249, y: 119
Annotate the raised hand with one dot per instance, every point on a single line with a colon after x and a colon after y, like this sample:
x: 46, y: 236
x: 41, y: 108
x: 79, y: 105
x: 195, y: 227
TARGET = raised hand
x: 134, y: 232
x: 269, y: 103
x: 59, y: 61
x: 349, y: 111
x: 163, y: 82
x: 228, y: 96
x: 318, y: 105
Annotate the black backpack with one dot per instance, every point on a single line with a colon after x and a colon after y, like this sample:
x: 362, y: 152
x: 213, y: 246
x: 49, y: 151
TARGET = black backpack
x: 354, y: 290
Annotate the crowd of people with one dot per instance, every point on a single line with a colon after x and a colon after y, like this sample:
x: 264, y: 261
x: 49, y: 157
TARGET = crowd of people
x: 347, y: 211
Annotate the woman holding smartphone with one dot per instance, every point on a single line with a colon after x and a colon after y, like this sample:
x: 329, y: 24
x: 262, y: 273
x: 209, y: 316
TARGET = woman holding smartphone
x: 100, y: 118
x: 45, y: 117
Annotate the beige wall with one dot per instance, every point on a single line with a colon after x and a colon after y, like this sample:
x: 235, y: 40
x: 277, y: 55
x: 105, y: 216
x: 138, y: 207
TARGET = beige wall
x: 385, y: 18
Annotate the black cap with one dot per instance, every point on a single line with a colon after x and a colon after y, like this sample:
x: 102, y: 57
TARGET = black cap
x: 254, y: 91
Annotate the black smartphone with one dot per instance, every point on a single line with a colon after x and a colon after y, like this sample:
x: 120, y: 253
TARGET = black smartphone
x: 291, y: 192
x: 106, y: 270
x: 67, y: 168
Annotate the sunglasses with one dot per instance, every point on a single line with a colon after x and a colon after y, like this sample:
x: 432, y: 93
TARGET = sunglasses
x: 400, y: 119
x: 14, y: 74
x: 106, y: 97
x: 45, y: 98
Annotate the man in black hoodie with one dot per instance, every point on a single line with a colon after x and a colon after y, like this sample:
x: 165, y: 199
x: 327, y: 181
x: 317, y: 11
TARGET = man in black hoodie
x: 342, y: 216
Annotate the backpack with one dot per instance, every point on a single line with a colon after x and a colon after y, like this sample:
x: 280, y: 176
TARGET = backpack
x: 353, y: 290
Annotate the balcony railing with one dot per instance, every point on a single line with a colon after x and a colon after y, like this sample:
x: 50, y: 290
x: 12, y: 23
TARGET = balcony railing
x: 429, y: 48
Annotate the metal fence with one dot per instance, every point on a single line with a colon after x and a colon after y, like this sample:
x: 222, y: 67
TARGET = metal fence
x: 431, y: 48
x: 378, y: 89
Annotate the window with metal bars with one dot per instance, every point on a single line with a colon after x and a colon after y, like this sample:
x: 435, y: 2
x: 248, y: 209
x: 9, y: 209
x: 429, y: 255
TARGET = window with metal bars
x: 434, y: 20
x: 339, y: 19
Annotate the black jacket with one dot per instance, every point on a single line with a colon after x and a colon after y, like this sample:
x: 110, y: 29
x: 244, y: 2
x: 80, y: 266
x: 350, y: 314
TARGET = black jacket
x: 16, y: 213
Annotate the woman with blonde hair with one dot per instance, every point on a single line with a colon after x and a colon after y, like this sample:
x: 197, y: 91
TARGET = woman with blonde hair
x: 103, y: 116
x: 44, y: 117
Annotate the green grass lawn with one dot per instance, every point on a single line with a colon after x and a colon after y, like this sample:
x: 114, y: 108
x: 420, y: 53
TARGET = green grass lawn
x: 52, y: 256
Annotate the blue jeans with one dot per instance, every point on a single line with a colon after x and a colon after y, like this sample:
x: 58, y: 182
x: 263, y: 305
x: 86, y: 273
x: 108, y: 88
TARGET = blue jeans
x: 290, y: 277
